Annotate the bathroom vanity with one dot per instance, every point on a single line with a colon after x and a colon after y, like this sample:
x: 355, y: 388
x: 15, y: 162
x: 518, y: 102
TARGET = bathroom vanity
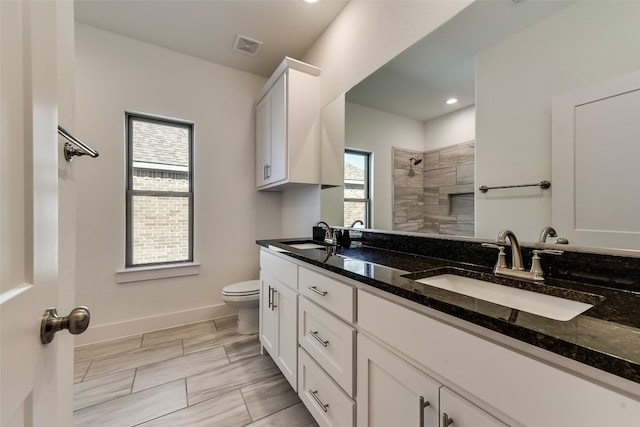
x: 378, y: 345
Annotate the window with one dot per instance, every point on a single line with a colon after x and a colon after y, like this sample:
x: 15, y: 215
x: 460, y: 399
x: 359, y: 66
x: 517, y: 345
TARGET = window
x: 159, y: 190
x: 357, y: 196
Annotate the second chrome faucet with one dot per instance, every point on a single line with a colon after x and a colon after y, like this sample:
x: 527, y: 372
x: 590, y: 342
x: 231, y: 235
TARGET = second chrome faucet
x: 517, y: 268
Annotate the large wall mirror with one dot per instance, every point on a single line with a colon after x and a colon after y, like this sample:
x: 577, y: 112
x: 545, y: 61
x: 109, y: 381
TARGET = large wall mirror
x: 505, y: 62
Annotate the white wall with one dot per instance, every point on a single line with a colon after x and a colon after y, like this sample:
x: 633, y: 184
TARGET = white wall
x: 515, y: 82
x: 365, y: 36
x: 115, y: 74
x: 450, y: 129
x: 376, y: 131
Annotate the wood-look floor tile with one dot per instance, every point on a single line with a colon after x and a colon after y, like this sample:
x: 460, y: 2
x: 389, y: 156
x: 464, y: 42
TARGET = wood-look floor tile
x: 79, y: 369
x: 294, y: 416
x: 133, y: 359
x: 135, y: 408
x: 179, y: 332
x: 243, y: 349
x: 268, y: 396
x: 179, y: 367
x: 106, y: 348
x: 228, y: 410
x: 226, y: 322
x: 102, y: 389
x: 215, y: 339
x: 232, y: 377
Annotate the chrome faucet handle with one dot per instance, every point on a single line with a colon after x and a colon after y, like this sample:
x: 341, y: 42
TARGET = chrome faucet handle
x: 502, y: 258
x: 536, y: 266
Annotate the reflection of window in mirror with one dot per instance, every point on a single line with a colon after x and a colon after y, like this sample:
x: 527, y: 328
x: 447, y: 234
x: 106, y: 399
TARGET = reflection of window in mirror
x: 357, y: 187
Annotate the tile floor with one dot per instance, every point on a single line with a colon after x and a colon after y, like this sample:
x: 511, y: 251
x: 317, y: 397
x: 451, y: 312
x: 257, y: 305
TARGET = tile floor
x: 203, y: 374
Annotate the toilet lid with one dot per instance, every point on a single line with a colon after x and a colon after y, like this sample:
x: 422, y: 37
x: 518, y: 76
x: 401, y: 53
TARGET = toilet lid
x: 250, y: 287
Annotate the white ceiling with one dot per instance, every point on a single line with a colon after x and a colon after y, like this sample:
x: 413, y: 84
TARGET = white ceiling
x: 207, y: 29
x: 417, y: 82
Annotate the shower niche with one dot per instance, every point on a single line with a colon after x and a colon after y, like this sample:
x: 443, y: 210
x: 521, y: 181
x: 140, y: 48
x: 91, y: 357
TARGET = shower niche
x: 433, y: 191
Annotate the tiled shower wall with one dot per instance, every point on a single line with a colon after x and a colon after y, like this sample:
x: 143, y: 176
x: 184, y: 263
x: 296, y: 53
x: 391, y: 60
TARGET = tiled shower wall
x: 439, y: 196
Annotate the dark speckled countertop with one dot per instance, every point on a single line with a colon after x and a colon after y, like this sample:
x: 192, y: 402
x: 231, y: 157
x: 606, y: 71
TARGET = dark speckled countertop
x: 607, y: 336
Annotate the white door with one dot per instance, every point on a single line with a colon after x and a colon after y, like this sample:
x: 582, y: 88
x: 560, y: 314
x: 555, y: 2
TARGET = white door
x: 32, y: 388
x: 392, y: 392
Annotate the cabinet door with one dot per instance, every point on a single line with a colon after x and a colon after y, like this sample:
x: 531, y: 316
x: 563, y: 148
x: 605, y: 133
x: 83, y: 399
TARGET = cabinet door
x: 277, y: 169
x: 263, y: 139
x: 392, y: 392
x: 286, y: 301
x: 459, y: 412
x: 267, y: 315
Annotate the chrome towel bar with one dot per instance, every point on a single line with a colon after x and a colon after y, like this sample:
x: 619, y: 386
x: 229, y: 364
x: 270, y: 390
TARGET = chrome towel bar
x: 69, y: 149
x: 542, y: 184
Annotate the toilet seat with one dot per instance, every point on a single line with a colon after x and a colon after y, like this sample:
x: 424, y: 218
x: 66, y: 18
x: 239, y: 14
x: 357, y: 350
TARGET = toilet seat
x: 242, y: 289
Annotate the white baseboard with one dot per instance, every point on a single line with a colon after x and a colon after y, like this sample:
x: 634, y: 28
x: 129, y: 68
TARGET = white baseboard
x: 110, y: 331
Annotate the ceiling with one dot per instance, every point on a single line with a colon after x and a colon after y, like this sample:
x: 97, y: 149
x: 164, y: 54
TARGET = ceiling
x: 207, y: 29
x: 414, y: 84
x: 417, y: 82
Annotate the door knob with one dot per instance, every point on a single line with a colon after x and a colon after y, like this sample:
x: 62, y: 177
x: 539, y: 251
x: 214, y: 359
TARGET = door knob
x: 76, y: 322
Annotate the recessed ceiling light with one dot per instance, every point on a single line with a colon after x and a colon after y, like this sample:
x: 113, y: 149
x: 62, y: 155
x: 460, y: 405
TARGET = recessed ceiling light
x: 310, y: 1
x: 451, y: 101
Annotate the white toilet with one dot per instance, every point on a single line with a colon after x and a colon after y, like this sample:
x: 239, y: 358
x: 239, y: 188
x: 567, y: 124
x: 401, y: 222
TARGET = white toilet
x: 245, y: 296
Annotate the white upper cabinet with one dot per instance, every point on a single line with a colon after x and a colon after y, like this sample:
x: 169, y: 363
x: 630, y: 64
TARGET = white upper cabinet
x: 287, y: 139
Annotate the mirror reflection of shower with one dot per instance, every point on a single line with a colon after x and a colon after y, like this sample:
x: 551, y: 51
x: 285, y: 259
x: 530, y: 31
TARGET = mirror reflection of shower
x: 413, y: 162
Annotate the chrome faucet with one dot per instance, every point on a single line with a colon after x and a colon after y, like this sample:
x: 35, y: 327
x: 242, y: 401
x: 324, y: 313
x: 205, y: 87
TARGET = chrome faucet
x: 329, y: 235
x: 517, y: 270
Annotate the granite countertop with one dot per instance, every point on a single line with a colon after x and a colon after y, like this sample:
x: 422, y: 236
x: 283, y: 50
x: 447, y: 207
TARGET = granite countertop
x: 607, y: 336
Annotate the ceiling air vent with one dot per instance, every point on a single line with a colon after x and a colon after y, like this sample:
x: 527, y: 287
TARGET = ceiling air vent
x: 246, y: 45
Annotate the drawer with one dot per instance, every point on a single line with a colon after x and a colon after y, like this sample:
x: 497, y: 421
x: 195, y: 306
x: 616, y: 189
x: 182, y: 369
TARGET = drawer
x: 330, y: 341
x: 283, y: 271
x: 333, y: 295
x: 326, y: 401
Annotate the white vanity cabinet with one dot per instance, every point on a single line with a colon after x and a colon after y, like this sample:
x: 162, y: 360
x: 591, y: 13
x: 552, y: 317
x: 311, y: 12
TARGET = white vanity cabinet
x: 327, y: 351
x: 501, y: 386
x: 456, y: 411
x: 279, y: 313
x: 287, y: 148
x: 392, y: 392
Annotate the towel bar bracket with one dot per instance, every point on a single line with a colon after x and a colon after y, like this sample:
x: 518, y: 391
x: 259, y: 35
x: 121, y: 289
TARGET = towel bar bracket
x: 70, y: 149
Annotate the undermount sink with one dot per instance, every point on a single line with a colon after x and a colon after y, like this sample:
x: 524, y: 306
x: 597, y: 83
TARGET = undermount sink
x: 307, y: 244
x: 541, y: 304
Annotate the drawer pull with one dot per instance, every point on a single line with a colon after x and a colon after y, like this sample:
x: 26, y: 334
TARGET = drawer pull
x: 316, y: 290
x: 273, y: 299
x: 317, y: 337
x: 446, y: 421
x: 270, y: 297
x: 423, y: 405
x: 314, y: 394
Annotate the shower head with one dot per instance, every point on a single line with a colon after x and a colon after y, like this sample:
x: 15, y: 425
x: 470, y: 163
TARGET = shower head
x: 415, y: 161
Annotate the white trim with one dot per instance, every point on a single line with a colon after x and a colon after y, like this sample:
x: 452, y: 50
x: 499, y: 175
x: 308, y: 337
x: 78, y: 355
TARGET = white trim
x: 160, y: 166
x: 151, y: 272
x: 286, y: 64
x: 110, y: 331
